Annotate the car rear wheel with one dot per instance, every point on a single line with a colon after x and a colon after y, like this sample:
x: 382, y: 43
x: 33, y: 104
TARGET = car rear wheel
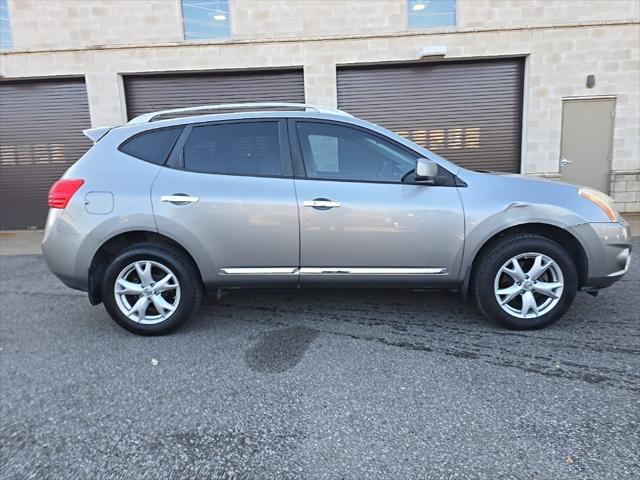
x: 151, y: 289
x: 525, y: 282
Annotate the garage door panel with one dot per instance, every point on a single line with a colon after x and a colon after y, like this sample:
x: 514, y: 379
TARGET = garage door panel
x: 453, y: 93
x: 375, y: 84
x: 468, y: 112
x: 455, y: 115
x: 442, y: 70
x: 40, y: 138
x: 149, y: 93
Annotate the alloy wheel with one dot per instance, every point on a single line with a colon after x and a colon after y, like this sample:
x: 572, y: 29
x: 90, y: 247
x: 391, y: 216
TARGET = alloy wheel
x: 147, y: 292
x: 529, y: 285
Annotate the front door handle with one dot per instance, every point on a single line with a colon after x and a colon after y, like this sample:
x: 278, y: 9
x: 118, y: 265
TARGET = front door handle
x: 179, y: 199
x: 564, y: 162
x: 321, y: 203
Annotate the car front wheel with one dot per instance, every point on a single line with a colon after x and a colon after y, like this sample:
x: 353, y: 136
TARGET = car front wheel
x: 525, y: 282
x: 151, y: 289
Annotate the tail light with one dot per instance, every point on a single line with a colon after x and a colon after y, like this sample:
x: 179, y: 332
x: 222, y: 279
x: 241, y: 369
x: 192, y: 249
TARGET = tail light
x: 62, y: 191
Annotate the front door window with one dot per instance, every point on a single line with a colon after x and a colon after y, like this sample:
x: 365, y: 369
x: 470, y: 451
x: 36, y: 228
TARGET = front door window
x: 335, y: 152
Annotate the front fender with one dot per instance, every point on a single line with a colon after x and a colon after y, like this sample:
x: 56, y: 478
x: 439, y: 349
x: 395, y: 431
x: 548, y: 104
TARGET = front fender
x: 480, y: 230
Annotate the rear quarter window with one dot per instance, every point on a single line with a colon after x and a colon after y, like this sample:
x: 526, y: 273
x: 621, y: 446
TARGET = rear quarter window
x: 152, y: 146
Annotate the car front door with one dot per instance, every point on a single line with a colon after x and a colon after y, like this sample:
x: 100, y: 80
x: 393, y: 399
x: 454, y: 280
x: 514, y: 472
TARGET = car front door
x: 227, y: 195
x: 364, y: 218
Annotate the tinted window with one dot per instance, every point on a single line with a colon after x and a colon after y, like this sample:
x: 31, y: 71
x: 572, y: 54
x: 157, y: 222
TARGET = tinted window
x: 234, y: 149
x: 337, y: 152
x: 153, y: 146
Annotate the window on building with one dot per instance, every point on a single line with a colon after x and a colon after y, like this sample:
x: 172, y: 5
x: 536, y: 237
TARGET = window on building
x: 5, y: 26
x: 203, y: 19
x: 431, y: 13
x: 247, y: 148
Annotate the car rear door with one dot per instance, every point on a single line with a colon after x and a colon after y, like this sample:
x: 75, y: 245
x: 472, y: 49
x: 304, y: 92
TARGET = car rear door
x: 360, y: 222
x: 227, y: 195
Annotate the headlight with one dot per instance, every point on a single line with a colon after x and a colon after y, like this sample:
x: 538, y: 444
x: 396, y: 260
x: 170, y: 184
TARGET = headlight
x: 602, y: 201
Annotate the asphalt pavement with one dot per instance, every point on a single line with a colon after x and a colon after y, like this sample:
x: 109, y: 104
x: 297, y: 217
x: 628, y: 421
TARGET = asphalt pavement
x: 346, y: 384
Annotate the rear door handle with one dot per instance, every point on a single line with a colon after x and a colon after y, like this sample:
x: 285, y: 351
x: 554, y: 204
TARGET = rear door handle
x: 564, y: 162
x: 321, y: 203
x: 179, y: 199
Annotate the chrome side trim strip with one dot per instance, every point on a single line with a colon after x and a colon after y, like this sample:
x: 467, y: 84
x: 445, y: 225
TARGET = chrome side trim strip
x: 372, y: 271
x: 260, y: 271
x: 332, y: 271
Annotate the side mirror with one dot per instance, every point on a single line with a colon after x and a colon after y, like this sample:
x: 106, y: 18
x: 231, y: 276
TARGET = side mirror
x: 426, y: 170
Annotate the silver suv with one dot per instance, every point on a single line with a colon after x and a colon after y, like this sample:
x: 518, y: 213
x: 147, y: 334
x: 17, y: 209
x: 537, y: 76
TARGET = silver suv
x: 158, y: 211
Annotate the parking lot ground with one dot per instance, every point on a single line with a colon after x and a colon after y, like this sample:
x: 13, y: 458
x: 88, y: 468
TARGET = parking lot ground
x: 20, y: 242
x: 316, y: 384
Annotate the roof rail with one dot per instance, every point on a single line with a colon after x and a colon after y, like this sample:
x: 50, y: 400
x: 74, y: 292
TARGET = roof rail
x: 148, y: 117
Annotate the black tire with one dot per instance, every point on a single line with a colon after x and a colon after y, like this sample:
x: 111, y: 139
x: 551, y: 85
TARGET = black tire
x: 497, y: 255
x: 180, y: 265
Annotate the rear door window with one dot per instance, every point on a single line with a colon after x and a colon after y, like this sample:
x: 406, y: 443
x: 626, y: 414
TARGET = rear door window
x: 246, y: 148
x: 152, y: 146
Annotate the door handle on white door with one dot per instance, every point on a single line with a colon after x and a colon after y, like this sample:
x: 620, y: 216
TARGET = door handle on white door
x: 179, y: 198
x: 321, y: 203
x: 564, y: 161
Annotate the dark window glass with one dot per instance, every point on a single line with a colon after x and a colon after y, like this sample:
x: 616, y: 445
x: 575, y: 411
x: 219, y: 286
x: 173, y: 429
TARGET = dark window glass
x: 153, y: 146
x: 343, y: 153
x: 234, y: 149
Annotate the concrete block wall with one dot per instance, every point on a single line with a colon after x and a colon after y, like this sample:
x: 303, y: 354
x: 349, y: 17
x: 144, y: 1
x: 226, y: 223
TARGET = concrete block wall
x: 296, y: 18
x: 40, y: 24
x: 47, y: 24
x: 625, y: 189
x: 519, y: 13
x: 558, y: 66
x: 563, y: 41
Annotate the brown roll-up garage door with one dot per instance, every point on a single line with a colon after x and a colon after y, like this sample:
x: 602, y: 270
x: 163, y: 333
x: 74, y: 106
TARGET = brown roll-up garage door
x: 148, y: 93
x: 468, y: 112
x: 41, y: 125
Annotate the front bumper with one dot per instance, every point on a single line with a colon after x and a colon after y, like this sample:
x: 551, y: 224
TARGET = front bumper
x: 608, y: 250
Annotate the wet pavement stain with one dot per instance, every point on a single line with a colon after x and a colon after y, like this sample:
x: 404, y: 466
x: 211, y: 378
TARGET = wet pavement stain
x: 279, y: 350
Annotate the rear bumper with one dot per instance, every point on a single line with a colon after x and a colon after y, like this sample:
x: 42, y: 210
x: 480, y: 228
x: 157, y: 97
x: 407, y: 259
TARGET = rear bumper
x: 62, y: 248
x: 608, y: 250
